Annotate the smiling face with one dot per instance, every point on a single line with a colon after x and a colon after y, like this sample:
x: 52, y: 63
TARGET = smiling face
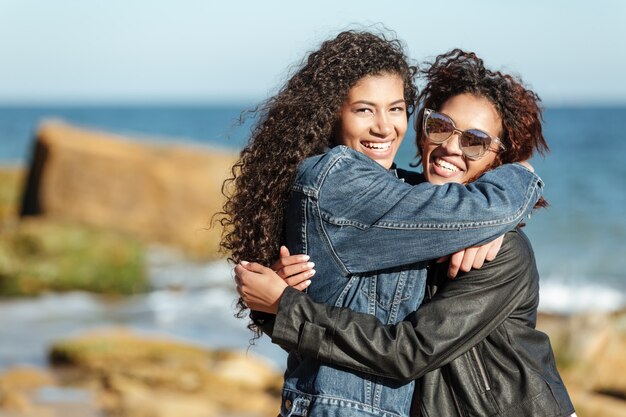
x: 373, y: 118
x: 445, y: 162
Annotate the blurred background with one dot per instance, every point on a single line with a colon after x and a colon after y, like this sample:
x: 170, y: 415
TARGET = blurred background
x: 154, y: 90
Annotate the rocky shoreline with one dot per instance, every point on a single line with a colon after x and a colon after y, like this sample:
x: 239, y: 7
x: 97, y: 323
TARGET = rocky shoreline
x: 122, y: 373
x: 117, y: 372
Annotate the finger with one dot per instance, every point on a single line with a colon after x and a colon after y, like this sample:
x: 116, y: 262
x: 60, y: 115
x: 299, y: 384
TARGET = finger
x: 242, y: 270
x: 284, y: 251
x: 297, y: 268
x: 468, y: 258
x: 244, y: 273
x: 255, y: 267
x: 455, y: 263
x: 299, y: 278
x: 494, y: 249
x: 442, y: 259
x: 479, y: 260
x: 239, y: 270
x: 294, y: 259
x: 303, y: 285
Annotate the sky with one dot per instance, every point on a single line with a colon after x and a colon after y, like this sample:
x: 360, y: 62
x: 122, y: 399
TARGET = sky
x: 192, y: 51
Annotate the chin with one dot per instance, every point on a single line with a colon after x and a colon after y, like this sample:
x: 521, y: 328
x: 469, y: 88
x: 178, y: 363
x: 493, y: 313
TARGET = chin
x: 438, y: 180
x: 386, y: 163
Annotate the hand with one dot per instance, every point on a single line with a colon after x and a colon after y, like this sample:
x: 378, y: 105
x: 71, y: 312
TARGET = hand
x: 472, y: 257
x: 259, y: 287
x: 294, y: 269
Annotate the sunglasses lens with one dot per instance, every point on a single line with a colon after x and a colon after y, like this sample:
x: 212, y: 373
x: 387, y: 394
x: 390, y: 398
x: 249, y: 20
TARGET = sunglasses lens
x: 438, y: 127
x: 474, y: 143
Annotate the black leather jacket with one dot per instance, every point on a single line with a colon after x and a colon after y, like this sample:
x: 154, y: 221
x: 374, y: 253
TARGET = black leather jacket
x: 472, y: 344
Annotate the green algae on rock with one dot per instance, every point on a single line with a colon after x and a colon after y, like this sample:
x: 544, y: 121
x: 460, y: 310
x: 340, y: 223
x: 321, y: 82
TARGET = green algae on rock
x: 38, y: 255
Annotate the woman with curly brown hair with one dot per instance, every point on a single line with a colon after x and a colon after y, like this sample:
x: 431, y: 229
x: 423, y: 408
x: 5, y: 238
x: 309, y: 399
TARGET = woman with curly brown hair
x: 297, y: 123
x: 318, y: 176
x: 472, y: 345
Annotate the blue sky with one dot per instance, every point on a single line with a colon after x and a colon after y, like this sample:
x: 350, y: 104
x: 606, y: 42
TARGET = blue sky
x: 85, y: 51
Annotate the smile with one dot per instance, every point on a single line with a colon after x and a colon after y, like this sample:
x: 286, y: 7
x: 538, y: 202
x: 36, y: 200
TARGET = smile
x: 377, y: 146
x: 446, y: 165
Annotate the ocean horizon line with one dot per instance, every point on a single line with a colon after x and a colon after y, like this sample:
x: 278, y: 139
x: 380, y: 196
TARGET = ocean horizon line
x: 244, y: 104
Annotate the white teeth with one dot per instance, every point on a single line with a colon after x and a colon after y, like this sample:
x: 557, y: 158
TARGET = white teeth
x: 446, y: 165
x: 377, y: 145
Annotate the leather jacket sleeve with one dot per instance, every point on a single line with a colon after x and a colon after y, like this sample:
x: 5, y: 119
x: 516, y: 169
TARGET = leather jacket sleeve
x: 459, y: 316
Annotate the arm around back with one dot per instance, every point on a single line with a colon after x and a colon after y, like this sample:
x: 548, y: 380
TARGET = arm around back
x: 459, y: 316
x: 359, y: 201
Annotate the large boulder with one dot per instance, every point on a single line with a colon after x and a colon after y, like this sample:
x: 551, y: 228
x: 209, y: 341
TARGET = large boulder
x: 162, y: 193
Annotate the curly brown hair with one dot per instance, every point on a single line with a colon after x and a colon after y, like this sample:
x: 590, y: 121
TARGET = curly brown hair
x: 457, y: 72
x: 293, y: 125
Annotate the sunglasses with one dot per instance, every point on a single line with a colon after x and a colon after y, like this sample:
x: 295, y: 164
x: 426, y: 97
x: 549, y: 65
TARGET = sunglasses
x: 438, y: 128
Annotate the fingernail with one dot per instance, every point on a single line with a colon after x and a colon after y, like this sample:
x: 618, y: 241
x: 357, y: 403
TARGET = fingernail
x: 244, y: 263
x: 305, y: 257
x: 307, y: 282
x: 310, y: 265
x: 312, y: 272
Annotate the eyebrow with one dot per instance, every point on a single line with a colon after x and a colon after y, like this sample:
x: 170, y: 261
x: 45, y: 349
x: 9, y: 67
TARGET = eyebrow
x: 374, y: 104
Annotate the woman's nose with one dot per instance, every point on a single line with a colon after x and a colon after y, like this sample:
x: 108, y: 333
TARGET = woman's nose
x: 383, y: 125
x: 452, y: 144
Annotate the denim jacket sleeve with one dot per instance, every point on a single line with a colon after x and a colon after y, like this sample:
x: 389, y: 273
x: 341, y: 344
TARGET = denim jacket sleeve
x: 457, y: 318
x: 374, y: 221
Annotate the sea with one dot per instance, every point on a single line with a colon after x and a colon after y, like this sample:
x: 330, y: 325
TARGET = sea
x: 579, y: 240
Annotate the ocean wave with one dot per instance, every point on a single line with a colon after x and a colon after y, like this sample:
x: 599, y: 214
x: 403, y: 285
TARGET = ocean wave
x: 576, y: 296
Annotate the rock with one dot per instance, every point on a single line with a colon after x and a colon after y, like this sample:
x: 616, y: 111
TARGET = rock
x: 590, y: 349
x: 11, y: 179
x: 41, y: 254
x: 13, y: 400
x: 589, y: 404
x: 574, y: 338
x: 121, y: 347
x: 160, y: 193
x: 143, y: 376
x: 152, y: 403
x: 24, y: 378
x: 245, y: 371
x: 605, y: 362
x: 33, y: 392
x: 15, y: 384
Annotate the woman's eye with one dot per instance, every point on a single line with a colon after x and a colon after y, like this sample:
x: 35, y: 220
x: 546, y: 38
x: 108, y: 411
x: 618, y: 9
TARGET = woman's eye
x: 364, y: 110
x: 398, y: 109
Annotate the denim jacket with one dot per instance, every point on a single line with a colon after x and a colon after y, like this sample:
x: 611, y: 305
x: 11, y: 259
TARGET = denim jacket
x: 371, y: 235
